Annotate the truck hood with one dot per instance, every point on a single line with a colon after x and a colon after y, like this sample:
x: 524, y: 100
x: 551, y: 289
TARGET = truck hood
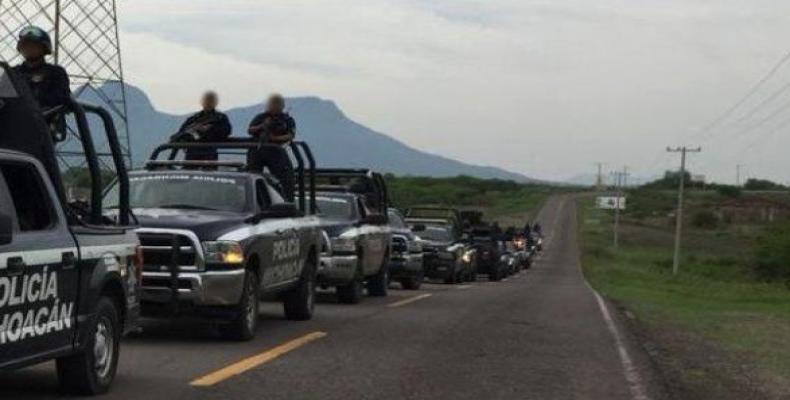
x: 207, y: 225
x: 335, y: 228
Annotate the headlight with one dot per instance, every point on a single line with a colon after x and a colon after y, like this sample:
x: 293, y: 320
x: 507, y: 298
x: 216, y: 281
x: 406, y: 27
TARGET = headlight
x: 344, y: 245
x: 467, y: 256
x: 223, y: 252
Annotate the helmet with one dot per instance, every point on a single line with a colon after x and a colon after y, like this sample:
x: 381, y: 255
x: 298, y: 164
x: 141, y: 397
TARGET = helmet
x: 35, y: 34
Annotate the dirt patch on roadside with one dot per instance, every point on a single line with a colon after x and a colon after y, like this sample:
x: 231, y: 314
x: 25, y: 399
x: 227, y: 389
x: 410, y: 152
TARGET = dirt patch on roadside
x: 693, y: 368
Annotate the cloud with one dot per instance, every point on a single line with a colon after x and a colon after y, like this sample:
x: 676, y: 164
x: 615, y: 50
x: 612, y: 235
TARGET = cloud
x: 545, y: 87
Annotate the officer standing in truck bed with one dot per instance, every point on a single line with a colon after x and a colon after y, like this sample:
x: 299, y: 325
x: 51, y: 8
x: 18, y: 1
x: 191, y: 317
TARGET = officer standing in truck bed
x: 48, y: 83
x: 206, y: 126
x: 274, y: 129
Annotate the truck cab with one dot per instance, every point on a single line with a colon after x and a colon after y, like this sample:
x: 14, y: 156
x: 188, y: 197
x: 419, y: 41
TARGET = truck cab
x: 353, y: 205
x: 69, y: 277
x: 218, y: 238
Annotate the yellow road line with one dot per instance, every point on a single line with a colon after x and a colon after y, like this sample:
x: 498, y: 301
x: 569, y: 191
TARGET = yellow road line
x: 409, y: 300
x: 255, y: 361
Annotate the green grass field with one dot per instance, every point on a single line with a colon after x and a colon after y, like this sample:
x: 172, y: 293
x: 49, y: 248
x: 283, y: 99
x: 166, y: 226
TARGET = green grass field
x: 715, y: 303
x: 507, y: 202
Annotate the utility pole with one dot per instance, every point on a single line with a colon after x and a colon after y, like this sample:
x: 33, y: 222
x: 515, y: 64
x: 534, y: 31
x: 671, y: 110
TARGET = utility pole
x: 599, y: 181
x: 619, y: 179
x: 679, y: 213
x: 738, y: 169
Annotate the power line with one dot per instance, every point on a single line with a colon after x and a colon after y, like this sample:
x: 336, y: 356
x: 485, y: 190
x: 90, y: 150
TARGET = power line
x: 752, y: 91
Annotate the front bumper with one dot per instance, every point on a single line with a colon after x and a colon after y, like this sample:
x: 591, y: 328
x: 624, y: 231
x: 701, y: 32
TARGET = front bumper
x: 439, y: 268
x: 406, y: 265
x: 209, y: 288
x: 336, y: 270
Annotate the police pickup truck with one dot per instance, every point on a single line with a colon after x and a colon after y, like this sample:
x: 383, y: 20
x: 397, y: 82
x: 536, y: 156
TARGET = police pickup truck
x: 68, y: 276
x: 217, y: 238
x: 406, y: 260
x: 446, y: 256
x: 353, y: 206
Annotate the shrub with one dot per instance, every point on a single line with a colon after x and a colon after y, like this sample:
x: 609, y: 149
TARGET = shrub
x: 704, y: 219
x: 773, y: 253
x: 729, y: 191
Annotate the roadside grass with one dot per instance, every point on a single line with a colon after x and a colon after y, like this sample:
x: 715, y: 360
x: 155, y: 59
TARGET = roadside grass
x: 715, y: 298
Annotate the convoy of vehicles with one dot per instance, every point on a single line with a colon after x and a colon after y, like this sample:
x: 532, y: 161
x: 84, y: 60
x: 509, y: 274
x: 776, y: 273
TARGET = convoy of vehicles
x: 69, y: 276
x: 205, y: 240
x: 353, y: 206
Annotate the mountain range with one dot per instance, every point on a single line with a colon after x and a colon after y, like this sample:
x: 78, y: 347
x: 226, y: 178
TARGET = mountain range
x: 336, y: 140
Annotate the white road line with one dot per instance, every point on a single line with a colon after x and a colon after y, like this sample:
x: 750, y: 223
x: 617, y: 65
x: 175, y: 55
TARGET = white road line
x: 632, y: 377
x: 463, y: 287
x: 631, y: 373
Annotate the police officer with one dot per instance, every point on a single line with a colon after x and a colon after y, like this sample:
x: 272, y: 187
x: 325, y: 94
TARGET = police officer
x: 274, y: 129
x: 48, y: 83
x: 206, y: 126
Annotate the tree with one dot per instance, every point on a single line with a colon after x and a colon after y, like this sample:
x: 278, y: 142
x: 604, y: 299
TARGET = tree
x: 762, y: 184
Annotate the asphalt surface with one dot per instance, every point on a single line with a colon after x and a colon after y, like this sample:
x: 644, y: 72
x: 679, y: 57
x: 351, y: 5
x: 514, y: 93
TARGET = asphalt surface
x: 539, y: 335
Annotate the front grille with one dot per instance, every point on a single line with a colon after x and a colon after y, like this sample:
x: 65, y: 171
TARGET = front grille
x: 158, y: 251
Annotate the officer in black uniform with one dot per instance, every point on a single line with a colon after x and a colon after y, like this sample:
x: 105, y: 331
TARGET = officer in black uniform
x: 274, y: 129
x: 48, y: 83
x: 206, y: 126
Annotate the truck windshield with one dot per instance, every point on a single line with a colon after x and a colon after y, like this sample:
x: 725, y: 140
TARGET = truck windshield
x: 184, y: 191
x: 436, y: 233
x: 335, y: 207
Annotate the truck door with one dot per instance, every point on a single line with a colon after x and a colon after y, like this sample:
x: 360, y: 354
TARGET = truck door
x: 38, y: 276
x: 281, y: 254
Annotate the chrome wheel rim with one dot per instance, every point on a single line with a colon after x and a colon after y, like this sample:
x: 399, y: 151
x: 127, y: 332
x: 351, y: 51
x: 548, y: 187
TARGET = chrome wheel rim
x: 103, y: 345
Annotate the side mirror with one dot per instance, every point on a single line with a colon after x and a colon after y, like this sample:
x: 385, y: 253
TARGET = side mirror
x: 419, y: 228
x: 6, y: 229
x: 277, y: 210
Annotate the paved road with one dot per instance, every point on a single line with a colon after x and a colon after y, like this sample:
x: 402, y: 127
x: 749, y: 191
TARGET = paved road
x: 539, y: 335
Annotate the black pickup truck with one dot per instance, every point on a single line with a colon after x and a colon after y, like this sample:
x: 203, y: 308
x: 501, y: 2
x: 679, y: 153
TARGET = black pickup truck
x: 446, y: 255
x: 69, y: 276
x: 217, y: 238
x: 353, y: 206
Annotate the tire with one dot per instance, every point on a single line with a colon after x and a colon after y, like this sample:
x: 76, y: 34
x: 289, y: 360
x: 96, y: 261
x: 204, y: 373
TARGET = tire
x: 453, y: 278
x: 412, y: 283
x: 299, y: 302
x: 351, y: 293
x: 244, y: 326
x: 473, y: 276
x: 378, y: 285
x: 494, y: 274
x: 85, y: 373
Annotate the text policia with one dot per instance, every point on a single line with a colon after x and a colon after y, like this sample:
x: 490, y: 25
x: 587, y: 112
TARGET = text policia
x: 30, y: 322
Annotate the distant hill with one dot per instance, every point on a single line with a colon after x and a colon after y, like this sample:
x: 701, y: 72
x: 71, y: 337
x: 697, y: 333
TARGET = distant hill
x: 336, y: 140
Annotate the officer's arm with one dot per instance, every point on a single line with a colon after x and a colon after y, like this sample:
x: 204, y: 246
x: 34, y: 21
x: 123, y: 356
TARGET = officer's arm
x: 222, y: 130
x: 256, y: 126
x: 63, y: 87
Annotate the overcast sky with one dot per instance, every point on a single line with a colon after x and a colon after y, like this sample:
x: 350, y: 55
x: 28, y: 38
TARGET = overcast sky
x: 545, y: 88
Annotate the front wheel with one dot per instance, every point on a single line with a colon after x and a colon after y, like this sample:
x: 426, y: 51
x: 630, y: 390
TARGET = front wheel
x: 299, y: 303
x: 92, y: 371
x: 378, y: 285
x: 244, y: 325
x: 412, y: 283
